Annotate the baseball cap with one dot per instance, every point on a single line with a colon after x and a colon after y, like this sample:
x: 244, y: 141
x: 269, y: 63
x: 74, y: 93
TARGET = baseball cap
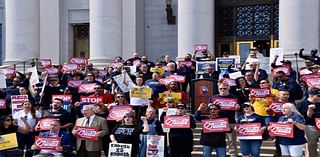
x: 315, y: 91
x: 286, y: 62
x: 181, y: 106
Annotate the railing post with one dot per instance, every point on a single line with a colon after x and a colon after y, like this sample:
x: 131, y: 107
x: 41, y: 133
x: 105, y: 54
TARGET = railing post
x: 24, y: 67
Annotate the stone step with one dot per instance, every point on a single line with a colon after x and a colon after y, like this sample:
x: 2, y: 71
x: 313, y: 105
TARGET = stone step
x: 199, y: 154
x: 263, y: 149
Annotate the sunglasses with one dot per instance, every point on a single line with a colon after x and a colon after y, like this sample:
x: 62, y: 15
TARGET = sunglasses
x: 120, y: 96
x: 9, y: 120
x: 222, y: 88
x: 128, y: 116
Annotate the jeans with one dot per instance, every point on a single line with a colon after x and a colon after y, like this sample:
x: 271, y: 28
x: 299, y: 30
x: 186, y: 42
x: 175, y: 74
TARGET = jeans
x: 292, y: 150
x: 250, y: 147
x: 221, y: 151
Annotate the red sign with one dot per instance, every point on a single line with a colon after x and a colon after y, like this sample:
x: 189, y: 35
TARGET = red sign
x: 285, y: 69
x: 305, y: 72
x: 225, y: 103
x: 78, y: 60
x: 3, y: 103
x: 47, y: 142
x: 87, y: 88
x: 305, y: 77
x: 176, y: 122
x: 91, y: 100
x: 86, y: 133
x: 276, y: 107
x: 74, y: 83
x: 178, y: 78
x: 318, y: 123
x: 215, y: 125
x: 166, y: 81
x: 230, y: 82
x: 45, y: 124
x: 45, y: 62
x: 313, y: 82
x: 260, y: 92
x: 52, y: 70
x: 281, y: 130
x: 103, y: 72
x: 247, y: 131
x: 185, y: 63
x: 65, y: 98
x: 69, y: 67
x: 8, y: 71
x: 201, y: 47
x: 117, y: 112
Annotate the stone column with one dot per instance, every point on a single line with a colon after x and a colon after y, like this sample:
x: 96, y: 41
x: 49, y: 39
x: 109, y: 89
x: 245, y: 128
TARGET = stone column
x: 195, y: 25
x: 22, y: 30
x: 298, y: 25
x: 105, y: 31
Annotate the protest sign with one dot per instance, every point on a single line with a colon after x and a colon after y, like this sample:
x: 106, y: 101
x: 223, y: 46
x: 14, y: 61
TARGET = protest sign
x: 136, y: 62
x: 201, y: 47
x: 69, y: 67
x: 313, y: 82
x: 51, y: 70
x: 224, y: 63
x: 124, y: 82
x: 155, y: 146
x: 202, y: 66
x: 249, y: 131
x: 87, y: 88
x: 119, y: 150
x: 78, y: 60
x: 45, y: 123
x: 178, y: 78
x: 3, y: 82
x: 276, y: 52
x: 34, y: 78
x: 3, y: 103
x: 176, y: 122
x: 158, y: 70
x: 140, y: 96
x: 133, y: 69
x: 230, y: 82
x: 317, y: 120
x: 276, y: 107
x: 305, y: 77
x: 8, y: 71
x: 235, y: 75
x: 116, y: 64
x: 74, y: 83
x: 45, y: 62
x: 285, y: 69
x: 91, y: 100
x: 305, y: 72
x: 166, y: 81
x: 67, y: 100
x: 215, y: 125
x: 177, y: 97
x: 117, y: 112
x: 50, y: 143
x: 281, y: 130
x: 170, y: 112
x: 16, y: 102
x: 86, y: 133
x: 225, y: 103
x: 8, y: 141
x: 260, y: 92
x: 182, y: 63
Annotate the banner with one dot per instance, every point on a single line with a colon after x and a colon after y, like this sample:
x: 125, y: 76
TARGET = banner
x: 86, y: 133
x: 176, y: 122
x: 201, y: 47
x: 155, y: 146
x: 8, y: 141
x: 69, y: 67
x: 16, y: 102
x: 260, y: 92
x: 45, y: 62
x: 249, y: 131
x: 45, y: 123
x: 74, y: 83
x: 182, y: 63
x: 276, y: 107
x: 178, y: 78
x: 87, y: 88
x: 47, y: 142
x: 224, y: 63
x: 215, y: 125
x: 285, y: 69
x: 279, y: 53
x: 313, y: 82
x: 225, y: 103
x: 120, y: 79
x: 78, y: 60
x: 3, y: 103
x: 67, y: 100
x: 166, y: 81
x: 51, y: 70
x: 281, y: 130
x: 177, y: 97
x: 119, y: 150
x: 116, y: 113
x: 8, y: 71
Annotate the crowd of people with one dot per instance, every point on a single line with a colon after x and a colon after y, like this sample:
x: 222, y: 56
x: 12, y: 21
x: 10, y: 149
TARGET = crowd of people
x: 282, y: 106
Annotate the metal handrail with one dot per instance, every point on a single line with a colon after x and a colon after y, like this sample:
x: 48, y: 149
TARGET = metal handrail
x: 24, y: 63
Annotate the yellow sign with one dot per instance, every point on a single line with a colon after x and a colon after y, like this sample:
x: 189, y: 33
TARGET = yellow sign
x: 8, y: 141
x: 144, y: 93
x: 158, y: 70
x: 176, y: 97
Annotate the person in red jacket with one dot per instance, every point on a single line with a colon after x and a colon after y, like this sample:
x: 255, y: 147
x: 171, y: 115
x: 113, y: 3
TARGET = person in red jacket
x: 99, y: 92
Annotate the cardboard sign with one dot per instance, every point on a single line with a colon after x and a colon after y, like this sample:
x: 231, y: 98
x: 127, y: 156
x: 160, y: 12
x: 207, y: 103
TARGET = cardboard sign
x: 215, y: 125
x: 285, y: 69
x: 78, y: 61
x: 202, y: 66
x: 317, y: 120
x: 176, y: 122
x: 3, y: 103
x: 279, y: 53
x: 91, y: 100
x: 224, y: 63
x: 276, y: 107
x: 8, y: 71
x: 185, y: 63
x: 178, y: 78
x: 144, y: 93
x: 230, y: 82
x: 249, y: 131
x: 119, y: 150
x: 225, y: 103
x: 45, y: 124
x: 281, y: 130
x: 260, y: 92
x: 69, y: 67
x: 313, y: 82
x: 74, y: 83
x: 8, y: 141
x: 201, y: 47
x: 158, y: 70
x: 120, y: 79
x: 45, y: 62
x: 86, y: 133
x: 52, y: 70
x: 166, y: 81
x: 155, y: 146
x: 87, y: 88
x: 177, y: 97
x: 16, y: 102
x: 50, y: 143
x: 117, y: 112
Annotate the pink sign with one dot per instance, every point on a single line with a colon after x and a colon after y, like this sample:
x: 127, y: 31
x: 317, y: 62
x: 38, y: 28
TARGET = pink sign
x: 69, y: 67
x: 260, y: 92
x: 78, y: 60
x: 117, y: 112
x: 276, y: 107
x: 230, y: 82
x: 281, y: 130
x: 74, y: 83
x: 313, y: 82
x: 50, y: 143
x: 166, y: 81
x: 86, y: 133
x: 8, y: 71
x: 87, y: 88
x: 3, y: 103
x: 176, y: 122
x: 45, y: 124
x: 201, y: 47
x: 45, y: 62
x: 317, y: 120
x: 247, y: 131
x: 225, y: 103
x: 285, y: 69
x: 215, y: 125
x: 178, y: 78
x: 185, y: 63
x: 52, y: 70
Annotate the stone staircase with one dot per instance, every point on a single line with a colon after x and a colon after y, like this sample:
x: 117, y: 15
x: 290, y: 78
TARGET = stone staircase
x: 267, y: 148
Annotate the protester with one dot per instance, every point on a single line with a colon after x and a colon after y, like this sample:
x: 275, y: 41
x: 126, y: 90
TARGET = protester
x: 173, y: 88
x: 7, y: 127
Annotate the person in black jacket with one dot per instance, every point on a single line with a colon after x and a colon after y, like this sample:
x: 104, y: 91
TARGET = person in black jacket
x: 315, y: 59
x: 181, y: 139
x: 212, y: 140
